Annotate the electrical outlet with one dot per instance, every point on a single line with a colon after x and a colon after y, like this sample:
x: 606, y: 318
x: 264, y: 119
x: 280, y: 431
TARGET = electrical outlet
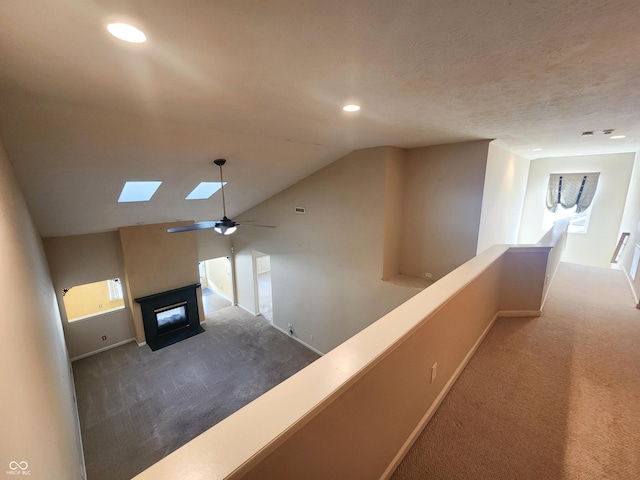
x: 434, y: 371
x: 290, y: 329
x: 427, y: 275
x: 104, y: 337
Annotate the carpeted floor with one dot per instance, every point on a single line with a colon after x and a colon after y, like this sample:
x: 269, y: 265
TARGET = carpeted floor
x: 554, y: 397
x: 136, y: 406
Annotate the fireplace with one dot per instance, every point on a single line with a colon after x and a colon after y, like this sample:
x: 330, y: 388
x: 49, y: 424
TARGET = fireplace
x: 171, y: 316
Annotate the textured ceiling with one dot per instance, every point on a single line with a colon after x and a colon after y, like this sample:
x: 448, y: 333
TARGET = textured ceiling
x: 262, y: 84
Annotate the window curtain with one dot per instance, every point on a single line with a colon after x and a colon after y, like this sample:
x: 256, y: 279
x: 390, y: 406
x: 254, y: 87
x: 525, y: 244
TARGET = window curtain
x: 571, y: 189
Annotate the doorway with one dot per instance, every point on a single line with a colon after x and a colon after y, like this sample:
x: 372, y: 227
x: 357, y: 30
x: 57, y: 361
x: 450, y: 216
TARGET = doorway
x: 262, y: 269
x: 217, y: 284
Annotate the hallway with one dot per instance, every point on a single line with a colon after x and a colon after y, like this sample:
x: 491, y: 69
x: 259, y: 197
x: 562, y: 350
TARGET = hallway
x: 553, y: 397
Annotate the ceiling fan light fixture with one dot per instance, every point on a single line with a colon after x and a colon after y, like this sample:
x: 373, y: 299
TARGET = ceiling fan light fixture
x: 224, y: 230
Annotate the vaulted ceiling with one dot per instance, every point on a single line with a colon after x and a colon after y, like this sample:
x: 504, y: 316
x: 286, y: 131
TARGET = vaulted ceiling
x: 262, y: 83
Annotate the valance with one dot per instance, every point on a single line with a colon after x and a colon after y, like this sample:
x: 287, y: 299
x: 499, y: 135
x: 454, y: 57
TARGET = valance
x: 571, y: 189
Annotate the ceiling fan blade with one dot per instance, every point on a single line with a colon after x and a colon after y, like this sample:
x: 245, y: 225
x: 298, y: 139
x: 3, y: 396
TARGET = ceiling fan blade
x: 195, y: 226
x: 255, y: 225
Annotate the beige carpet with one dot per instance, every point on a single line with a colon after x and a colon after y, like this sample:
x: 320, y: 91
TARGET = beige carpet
x: 554, y: 397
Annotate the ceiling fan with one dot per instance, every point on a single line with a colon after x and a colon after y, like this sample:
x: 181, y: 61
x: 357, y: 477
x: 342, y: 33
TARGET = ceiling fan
x: 224, y: 226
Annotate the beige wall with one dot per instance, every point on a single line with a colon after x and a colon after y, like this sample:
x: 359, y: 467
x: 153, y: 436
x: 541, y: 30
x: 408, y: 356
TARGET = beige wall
x: 156, y: 261
x: 212, y: 245
x: 82, y: 259
x: 326, y: 265
x: 219, y: 276
x: 246, y: 293
x: 89, y: 299
x: 631, y: 223
x: 39, y: 422
x: 443, y: 188
x: 505, y: 185
x: 393, y: 211
x: 596, y: 247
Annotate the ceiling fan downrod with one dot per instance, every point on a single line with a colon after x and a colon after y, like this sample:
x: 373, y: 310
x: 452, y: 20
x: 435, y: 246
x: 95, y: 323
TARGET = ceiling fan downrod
x: 220, y: 162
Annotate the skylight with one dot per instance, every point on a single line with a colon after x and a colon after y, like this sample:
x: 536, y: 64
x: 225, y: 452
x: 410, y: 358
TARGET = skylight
x: 127, y: 32
x: 204, y: 190
x: 138, y: 191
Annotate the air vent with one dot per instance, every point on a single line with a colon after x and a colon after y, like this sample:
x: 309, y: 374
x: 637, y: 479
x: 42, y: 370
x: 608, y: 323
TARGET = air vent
x: 300, y: 210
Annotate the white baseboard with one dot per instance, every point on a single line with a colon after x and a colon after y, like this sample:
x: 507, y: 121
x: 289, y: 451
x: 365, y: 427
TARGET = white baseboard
x: 519, y: 313
x: 246, y: 310
x: 434, y: 406
x: 298, y: 340
x: 109, y: 347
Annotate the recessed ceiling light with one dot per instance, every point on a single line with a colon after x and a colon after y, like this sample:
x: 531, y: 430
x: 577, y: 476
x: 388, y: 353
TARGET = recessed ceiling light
x: 587, y: 134
x: 608, y: 131
x: 617, y: 137
x: 536, y: 149
x: 126, y: 32
x: 351, y: 108
x: 138, y: 191
x: 204, y: 190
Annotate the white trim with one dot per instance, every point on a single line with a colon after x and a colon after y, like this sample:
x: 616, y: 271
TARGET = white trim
x: 247, y: 310
x: 547, y: 286
x: 297, y: 339
x: 142, y: 344
x: 434, y: 406
x: 519, y: 313
x: 108, y: 347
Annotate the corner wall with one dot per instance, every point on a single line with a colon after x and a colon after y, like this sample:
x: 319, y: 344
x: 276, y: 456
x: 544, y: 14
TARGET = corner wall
x: 326, y: 265
x: 393, y: 212
x: 156, y: 261
x: 443, y: 188
x: 39, y: 423
x: 80, y: 259
x: 505, y: 185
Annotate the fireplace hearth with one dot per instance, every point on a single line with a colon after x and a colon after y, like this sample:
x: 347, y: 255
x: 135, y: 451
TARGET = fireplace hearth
x: 171, y: 316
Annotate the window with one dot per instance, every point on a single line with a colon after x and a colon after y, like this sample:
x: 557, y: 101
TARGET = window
x: 91, y: 299
x: 115, y: 290
x: 579, y: 222
x: 569, y: 195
